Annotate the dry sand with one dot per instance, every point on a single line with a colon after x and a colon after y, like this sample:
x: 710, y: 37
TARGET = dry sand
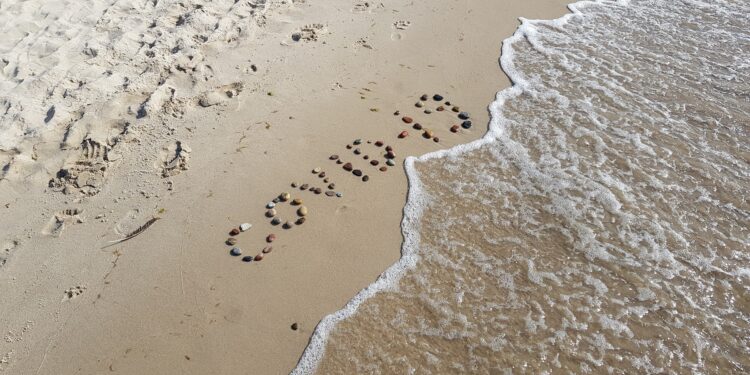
x: 172, y: 300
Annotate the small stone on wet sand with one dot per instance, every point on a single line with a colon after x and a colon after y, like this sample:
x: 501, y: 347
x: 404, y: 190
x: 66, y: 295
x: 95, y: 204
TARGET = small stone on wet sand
x: 383, y: 168
x: 258, y: 257
x: 390, y: 162
x: 267, y: 249
x: 466, y: 124
x: 270, y: 238
x: 231, y: 241
x: 333, y: 157
x: 463, y: 115
x: 407, y: 119
x: 348, y: 167
x: 296, y: 201
x: 302, y: 211
x: 437, y: 97
x: 248, y: 258
x: 234, y: 232
x: 316, y: 170
x: 403, y: 134
x: 244, y: 227
x: 365, y: 178
x: 357, y: 172
x: 236, y: 251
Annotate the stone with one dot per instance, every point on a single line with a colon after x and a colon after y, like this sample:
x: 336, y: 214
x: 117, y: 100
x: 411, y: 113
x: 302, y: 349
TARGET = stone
x: 302, y: 211
x: 231, y: 241
x: 447, y: 103
x: 419, y: 104
x: 294, y: 184
x: 276, y: 200
x: 297, y: 201
x: 348, y: 147
x: 357, y: 151
x: 463, y: 115
x: 403, y: 134
x: 296, y: 37
x: 374, y: 162
x: 366, y: 157
x: 456, y: 109
x: 383, y: 168
x: 276, y: 221
x: 330, y: 193
x: 390, y: 162
x: 379, y: 143
x: 325, y: 180
x: 357, y: 142
x: 427, y: 133
x: 332, y: 186
x: 388, y: 148
x: 407, y: 119
x: 437, y: 98
x: 300, y: 221
x: 316, y: 170
x: 357, y: 172
x: 339, y: 161
x: 440, y: 109
x: 312, y: 188
x: 436, y: 139
x: 318, y: 190
x: 339, y: 195
x: 322, y: 174
x: 396, y: 113
x: 271, y: 213
x: 244, y: 227
x: 258, y: 257
x: 365, y: 178
x: 334, y: 157
x: 285, y: 196
x: 417, y: 126
x: 390, y: 155
x: 428, y: 111
x: 287, y: 225
x: 466, y: 124
x: 454, y: 129
x: 348, y: 167
x: 270, y: 238
x: 304, y: 186
x: 248, y: 258
x: 234, y: 232
x: 424, y: 97
x: 236, y: 251
x: 271, y: 205
x: 267, y: 249
x: 295, y: 326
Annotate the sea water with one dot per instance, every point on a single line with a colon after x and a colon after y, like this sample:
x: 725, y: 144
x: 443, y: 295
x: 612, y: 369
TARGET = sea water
x: 600, y: 226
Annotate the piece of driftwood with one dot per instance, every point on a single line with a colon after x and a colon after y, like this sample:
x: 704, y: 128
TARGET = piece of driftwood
x: 134, y: 233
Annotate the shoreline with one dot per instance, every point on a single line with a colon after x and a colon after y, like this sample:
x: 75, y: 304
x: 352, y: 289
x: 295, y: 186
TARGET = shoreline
x: 136, y: 290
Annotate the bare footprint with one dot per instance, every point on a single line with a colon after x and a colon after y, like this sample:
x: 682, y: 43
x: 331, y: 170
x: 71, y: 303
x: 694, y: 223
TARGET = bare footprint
x: 86, y: 174
x: 73, y: 292
x: 310, y: 33
x: 401, y: 25
x: 57, y: 222
x: 220, y: 95
x: 174, y: 159
x: 367, y: 6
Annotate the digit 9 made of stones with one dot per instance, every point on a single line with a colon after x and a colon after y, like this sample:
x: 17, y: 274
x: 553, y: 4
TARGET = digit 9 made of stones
x: 276, y: 219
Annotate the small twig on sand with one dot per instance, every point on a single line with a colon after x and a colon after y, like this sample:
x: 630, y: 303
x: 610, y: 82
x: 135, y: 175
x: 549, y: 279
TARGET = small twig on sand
x: 134, y: 233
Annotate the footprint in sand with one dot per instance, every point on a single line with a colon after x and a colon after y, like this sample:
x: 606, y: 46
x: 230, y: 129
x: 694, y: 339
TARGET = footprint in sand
x: 220, y: 95
x: 309, y: 33
x: 174, y: 159
x: 6, y: 249
x: 73, y: 292
x: 57, y: 223
x: 399, y: 26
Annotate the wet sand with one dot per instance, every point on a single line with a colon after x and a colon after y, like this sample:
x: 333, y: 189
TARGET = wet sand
x: 172, y: 300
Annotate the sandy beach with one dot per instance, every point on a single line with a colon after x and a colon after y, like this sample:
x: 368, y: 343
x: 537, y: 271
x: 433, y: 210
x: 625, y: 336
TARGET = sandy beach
x: 208, y: 156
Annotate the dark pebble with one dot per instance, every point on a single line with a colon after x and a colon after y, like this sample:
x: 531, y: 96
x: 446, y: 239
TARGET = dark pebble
x: 267, y: 249
x: 234, y: 232
x: 348, y: 167
x: 339, y: 161
x: 248, y: 258
x: 296, y: 37
x: 322, y: 175
x: 275, y: 221
x: 454, y: 129
x: 330, y: 193
x: 383, y: 168
x: 440, y: 109
x: 447, y: 103
x: 295, y: 326
x: 348, y: 147
x: 407, y: 119
x: 258, y: 257
x: 417, y: 126
x: 466, y: 124
x: 365, y: 178
x: 424, y: 97
x: 374, y: 162
x: 270, y: 238
x: 396, y: 113
x: 366, y: 157
x: 403, y: 134
x: 332, y: 186
x: 437, y: 97
x: 379, y: 143
x: 300, y: 221
x: 304, y: 186
x: 436, y: 139
x: 334, y: 157
x: 390, y: 155
x: 357, y: 151
x: 357, y: 142
x: 235, y: 251
x: 318, y: 190
x: 357, y: 172
x: 455, y: 109
x: 388, y: 148
x: 463, y: 115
